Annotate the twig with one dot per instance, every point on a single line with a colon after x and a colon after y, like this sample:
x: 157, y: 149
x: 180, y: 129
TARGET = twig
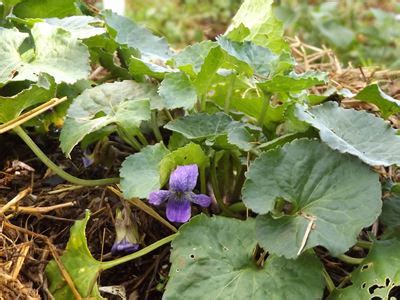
x: 311, y: 221
x: 41, y: 210
x: 15, y: 200
x: 30, y: 114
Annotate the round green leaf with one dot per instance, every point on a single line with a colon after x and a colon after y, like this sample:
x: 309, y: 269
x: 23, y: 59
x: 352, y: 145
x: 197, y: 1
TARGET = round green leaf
x: 355, y: 132
x: 329, y: 198
x: 377, y: 276
x: 212, y: 258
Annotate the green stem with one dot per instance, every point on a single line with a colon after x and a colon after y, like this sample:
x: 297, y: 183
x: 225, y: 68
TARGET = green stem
x: 203, y: 182
x: 217, y: 193
x: 227, y: 175
x: 237, y: 207
x: 168, y: 113
x: 113, y: 263
x: 350, y: 260
x: 328, y: 280
x: 238, y: 183
x: 364, y: 244
x: 203, y: 103
x: 263, y: 110
x: 131, y: 141
x: 56, y: 169
x: 227, y: 103
x: 142, y: 138
x: 154, y: 126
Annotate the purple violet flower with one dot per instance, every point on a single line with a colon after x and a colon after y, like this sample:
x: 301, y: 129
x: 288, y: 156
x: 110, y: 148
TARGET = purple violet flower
x: 123, y: 247
x: 127, y: 235
x: 181, y: 184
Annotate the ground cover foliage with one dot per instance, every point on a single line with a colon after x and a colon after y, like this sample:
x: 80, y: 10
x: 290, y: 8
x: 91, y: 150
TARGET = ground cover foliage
x: 285, y: 191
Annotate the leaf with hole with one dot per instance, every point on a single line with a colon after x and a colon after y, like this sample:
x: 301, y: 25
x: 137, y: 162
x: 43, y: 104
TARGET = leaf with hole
x: 377, y: 277
x: 214, y: 257
x: 307, y: 193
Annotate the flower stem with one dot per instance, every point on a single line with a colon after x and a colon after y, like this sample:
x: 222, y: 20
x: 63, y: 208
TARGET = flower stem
x: 350, y: 260
x: 217, y: 193
x: 154, y: 126
x: 328, y: 280
x: 203, y: 103
x: 264, y: 108
x: 131, y: 141
x: 238, y: 207
x: 113, y: 263
x: 203, y: 182
x: 142, y: 138
x: 364, y: 244
x: 227, y: 103
x: 56, y: 169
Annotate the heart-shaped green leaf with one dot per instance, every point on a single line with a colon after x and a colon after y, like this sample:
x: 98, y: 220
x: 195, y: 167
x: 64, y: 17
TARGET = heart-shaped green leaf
x: 213, y: 258
x: 80, y: 265
x: 310, y: 194
x: 140, y: 173
x: 377, y: 276
x: 355, y: 132
x: 124, y: 103
x: 56, y: 53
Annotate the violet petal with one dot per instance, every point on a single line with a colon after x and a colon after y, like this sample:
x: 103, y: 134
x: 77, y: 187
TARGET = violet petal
x: 184, y: 178
x: 178, y: 210
x: 202, y: 200
x: 123, y: 247
x: 158, y: 197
